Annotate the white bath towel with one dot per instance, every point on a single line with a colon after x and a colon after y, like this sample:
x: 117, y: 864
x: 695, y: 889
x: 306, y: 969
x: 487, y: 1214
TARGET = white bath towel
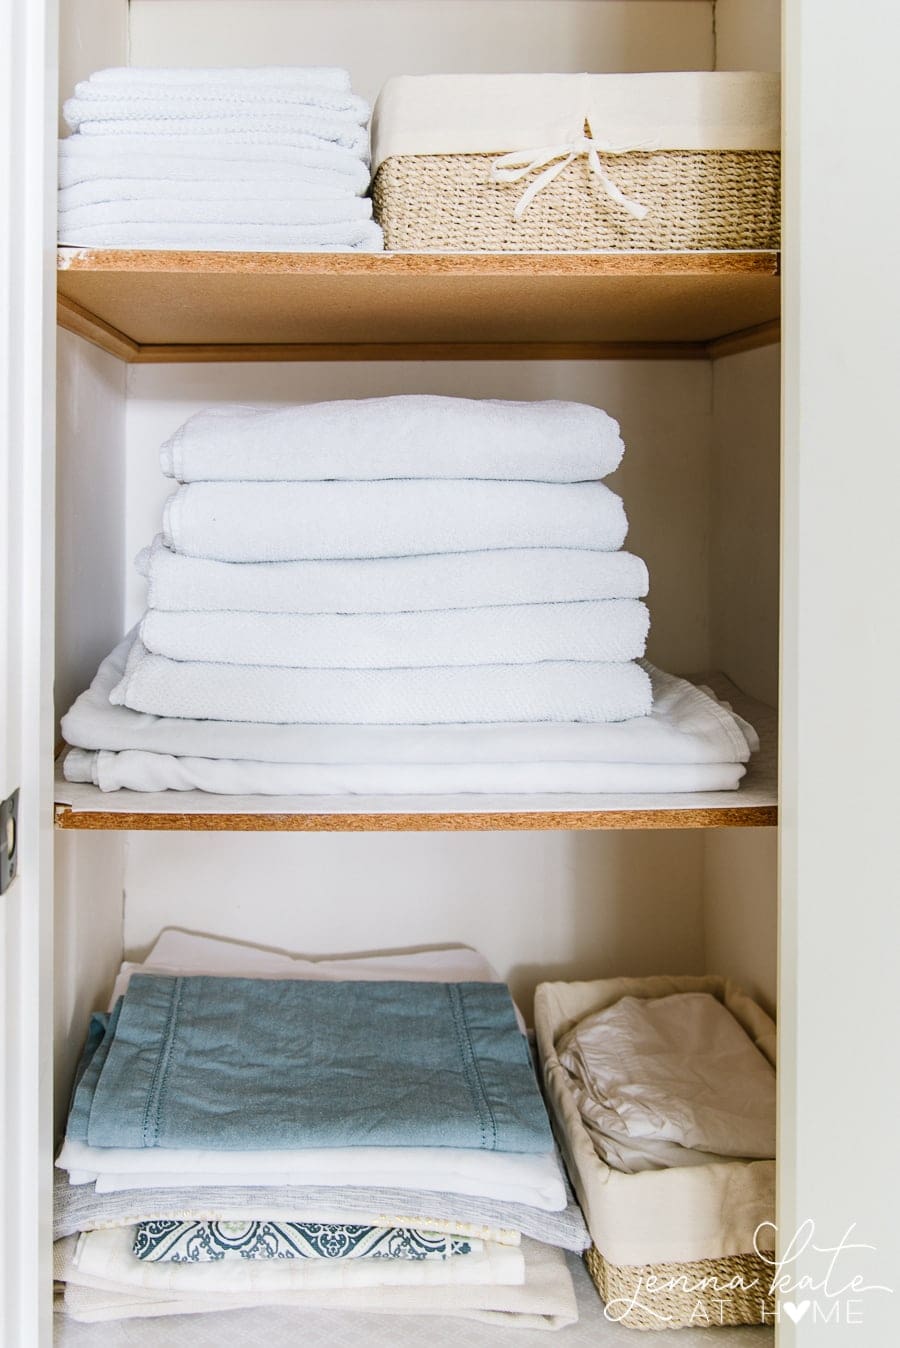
x: 516, y: 634
x: 408, y: 436
x: 361, y: 236
x: 287, y: 521
x: 686, y: 725
x: 249, y: 77
x: 317, y: 186
x: 200, y: 159
x: 552, y: 691
x: 300, y: 129
x: 138, y: 770
x: 449, y: 580
x: 120, y: 102
x: 221, y: 211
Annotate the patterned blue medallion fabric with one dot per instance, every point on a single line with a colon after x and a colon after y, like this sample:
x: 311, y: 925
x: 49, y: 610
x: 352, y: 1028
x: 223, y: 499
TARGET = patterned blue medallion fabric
x: 250, y: 1064
x: 208, y: 1242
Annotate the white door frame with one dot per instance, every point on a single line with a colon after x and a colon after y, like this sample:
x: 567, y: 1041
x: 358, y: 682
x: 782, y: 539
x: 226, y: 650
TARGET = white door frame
x: 27, y: 377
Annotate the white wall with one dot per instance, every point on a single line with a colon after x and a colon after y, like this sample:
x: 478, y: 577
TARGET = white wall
x: 748, y: 34
x: 392, y: 37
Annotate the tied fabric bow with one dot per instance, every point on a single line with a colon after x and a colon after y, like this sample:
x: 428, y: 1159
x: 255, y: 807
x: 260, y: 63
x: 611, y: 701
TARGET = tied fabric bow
x: 512, y: 167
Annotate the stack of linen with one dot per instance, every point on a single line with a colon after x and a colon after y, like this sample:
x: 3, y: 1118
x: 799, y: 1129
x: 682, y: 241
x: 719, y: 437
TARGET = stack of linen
x: 272, y: 158
x: 248, y: 1129
x: 407, y: 595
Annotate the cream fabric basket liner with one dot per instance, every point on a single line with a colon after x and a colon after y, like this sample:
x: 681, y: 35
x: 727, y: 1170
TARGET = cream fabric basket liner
x: 497, y: 114
x: 656, y: 1216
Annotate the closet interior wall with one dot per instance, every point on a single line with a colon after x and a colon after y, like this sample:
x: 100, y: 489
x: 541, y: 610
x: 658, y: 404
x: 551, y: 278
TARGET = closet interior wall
x: 700, y: 481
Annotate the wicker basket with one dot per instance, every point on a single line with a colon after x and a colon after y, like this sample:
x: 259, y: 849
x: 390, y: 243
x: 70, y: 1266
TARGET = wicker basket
x: 696, y: 199
x: 696, y: 1211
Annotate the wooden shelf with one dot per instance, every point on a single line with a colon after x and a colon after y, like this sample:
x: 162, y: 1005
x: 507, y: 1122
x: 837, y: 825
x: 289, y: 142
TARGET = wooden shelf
x: 168, y: 306
x: 753, y: 806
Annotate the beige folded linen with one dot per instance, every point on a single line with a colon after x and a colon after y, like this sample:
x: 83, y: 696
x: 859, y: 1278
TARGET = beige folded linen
x: 496, y: 114
x: 545, y: 1300
x: 676, y: 1215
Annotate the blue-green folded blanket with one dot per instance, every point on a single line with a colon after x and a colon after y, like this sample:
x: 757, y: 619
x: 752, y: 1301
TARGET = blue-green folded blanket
x: 237, y: 1064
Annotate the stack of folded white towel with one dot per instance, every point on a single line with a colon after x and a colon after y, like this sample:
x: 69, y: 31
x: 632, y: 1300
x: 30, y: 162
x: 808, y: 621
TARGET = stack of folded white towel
x: 396, y: 595
x: 272, y: 158
x: 406, y: 1169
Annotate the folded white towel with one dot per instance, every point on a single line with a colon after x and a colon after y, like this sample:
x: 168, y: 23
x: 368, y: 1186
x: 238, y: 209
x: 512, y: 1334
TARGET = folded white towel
x: 200, y: 158
x: 389, y: 584
x: 318, y: 187
x: 221, y: 211
x: 113, y: 101
x: 515, y: 634
x: 358, y: 236
x: 140, y: 770
x: 686, y: 725
x: 250, y: 77
x: 409, y: 436
x: 287, y: 521
x: 553, y: 691
x: 300, y: 129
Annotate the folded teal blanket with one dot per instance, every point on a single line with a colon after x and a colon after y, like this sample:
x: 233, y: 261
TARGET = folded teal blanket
x: 238, y: 1064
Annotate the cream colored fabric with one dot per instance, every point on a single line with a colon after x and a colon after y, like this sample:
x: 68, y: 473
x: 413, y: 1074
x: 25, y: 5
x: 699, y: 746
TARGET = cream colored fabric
x: 680, y: 1214
x: 496, y: 114
x: 664, y: 1081
x: 545, y: 1300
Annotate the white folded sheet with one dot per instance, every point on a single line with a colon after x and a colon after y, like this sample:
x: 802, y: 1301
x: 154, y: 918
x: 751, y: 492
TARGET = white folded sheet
x: 551, y: 691
x: 362, y: 236
x: 237, y: 77
x: 138, y: 770
x: 107, y: 1255
x: 546, y: 1299
x: 686, y: 725
x: 514, y: 1177
x: 451, y: 580
x: 201, y: 158
x: 667, y: 1081
x: 405, y: 436
x: 606, y: 630
x: 298, y: 128
x: 320, y: 214
x: 287, y: 521
x: 318, y: 185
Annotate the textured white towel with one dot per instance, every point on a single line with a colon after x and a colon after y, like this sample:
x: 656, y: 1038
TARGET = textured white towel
x: 301, y: 129
x: 119, y: 102
x: 221, y: 211
x: 238, y: 77
x: 389, y: 584
x: 138, y: 770
x: 317, y: 185
x: 287, y: 521
x: 200, y: 158
x: 361, y: 236
x: 686, y: 726
x: 552, y: 691
x: 516, y: 634
x: 408, y: 436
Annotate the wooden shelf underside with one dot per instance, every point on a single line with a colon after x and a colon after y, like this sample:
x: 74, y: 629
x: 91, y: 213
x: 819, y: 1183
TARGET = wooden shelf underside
x: 753, y: 806
x: 157, y: 307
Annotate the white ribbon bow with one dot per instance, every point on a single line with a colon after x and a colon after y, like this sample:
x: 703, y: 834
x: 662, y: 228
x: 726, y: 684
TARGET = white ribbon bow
x: 512, y: 167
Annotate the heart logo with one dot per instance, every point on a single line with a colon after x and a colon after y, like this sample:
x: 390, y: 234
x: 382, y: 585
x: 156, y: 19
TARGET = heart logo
x: 796, y: 1312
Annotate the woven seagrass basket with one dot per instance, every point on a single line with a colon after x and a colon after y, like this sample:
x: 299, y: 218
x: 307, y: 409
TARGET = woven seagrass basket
x: 715, y: 1215
x: 701, y: 1294
x: 697, y: 200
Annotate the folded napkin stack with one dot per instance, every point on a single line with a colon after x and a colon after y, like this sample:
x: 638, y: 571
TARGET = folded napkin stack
x: 269, y: 159
x: 250, y: 1130
x: 407, y: 595
x: 670, y: 1081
